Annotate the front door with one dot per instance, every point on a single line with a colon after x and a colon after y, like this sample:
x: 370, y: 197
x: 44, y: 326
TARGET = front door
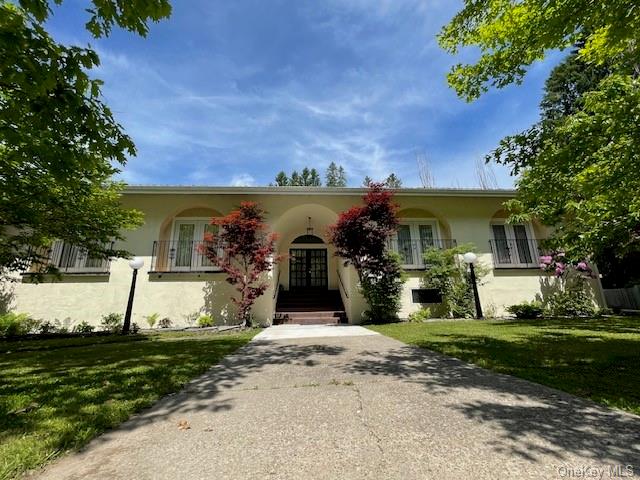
x: 307, y: 268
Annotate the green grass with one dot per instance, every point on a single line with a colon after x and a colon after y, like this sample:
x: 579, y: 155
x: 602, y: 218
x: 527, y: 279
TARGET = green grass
x: 56, y: 395
x: 593, y: 358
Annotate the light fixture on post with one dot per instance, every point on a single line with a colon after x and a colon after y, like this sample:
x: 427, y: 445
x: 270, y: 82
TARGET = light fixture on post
x: 136, y: 263
x: 309, y: 227
x: 471, y: 258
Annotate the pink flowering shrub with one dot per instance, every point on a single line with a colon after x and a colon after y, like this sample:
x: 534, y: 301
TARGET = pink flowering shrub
x: 557, y: 263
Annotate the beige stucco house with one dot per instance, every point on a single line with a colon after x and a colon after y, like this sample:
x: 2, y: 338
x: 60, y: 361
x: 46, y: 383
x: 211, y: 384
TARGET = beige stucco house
x: 176, y: 281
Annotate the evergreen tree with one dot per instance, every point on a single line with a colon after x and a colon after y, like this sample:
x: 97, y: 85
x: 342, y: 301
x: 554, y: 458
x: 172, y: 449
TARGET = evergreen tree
x: 314, y: 179
x: 367, y: 181
x: 306, y: 177
x: 296, y: 179
x: 342, y: 177
x: 393, y: 181
x: 335, y: 176
x: 282, y: 180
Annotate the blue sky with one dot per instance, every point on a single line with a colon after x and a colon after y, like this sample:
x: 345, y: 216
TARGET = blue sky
x: 229, y: 93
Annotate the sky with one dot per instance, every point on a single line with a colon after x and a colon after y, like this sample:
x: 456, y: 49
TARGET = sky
x: 230, y: 93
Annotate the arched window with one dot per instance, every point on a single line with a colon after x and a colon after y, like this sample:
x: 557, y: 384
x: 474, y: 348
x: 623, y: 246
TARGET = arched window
x: 308, y: 239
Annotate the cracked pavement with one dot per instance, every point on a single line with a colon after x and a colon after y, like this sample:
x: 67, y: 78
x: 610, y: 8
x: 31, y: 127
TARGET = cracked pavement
x: 358, y: 406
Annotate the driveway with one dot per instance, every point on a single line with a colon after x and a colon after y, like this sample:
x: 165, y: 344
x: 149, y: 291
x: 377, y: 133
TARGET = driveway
x: 341, y: 402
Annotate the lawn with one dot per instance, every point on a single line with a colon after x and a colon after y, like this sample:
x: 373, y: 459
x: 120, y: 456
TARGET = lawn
x: 593, y: 358
x: 55, y: 395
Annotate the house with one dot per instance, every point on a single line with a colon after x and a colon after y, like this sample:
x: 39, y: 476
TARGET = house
x: 178, y: 282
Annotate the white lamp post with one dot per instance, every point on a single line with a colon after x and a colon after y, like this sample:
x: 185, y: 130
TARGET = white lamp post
x: 136, y: 263
x: 471, y: 258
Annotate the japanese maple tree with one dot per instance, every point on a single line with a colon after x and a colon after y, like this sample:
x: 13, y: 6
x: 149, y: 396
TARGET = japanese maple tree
x: 361, y: 236
x: 245, y: 251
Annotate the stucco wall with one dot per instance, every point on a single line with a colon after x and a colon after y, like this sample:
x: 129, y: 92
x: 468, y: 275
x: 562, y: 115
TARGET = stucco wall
x: 181, y: 296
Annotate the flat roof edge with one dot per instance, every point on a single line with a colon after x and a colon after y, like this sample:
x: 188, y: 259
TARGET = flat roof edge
x: 211, y: 190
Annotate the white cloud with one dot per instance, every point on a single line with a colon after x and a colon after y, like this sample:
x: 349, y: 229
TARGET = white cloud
x: 242, y: 180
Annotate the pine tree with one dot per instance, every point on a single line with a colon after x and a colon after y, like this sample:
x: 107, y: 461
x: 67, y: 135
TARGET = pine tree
x: 342, y: 177
x: 393, y: 181
x: 367, y: 181
x: 296, y: 179
x: 282, y: 180
x: 306, y: 177
x: 332, y: 175
x: 315, y: 180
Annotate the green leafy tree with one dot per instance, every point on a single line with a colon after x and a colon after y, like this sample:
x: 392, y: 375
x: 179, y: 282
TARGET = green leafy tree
x: 577, y: 164
x: 510, y: 36
x: 59, y: 143
x: 282, y: 180
x: 335, y: 176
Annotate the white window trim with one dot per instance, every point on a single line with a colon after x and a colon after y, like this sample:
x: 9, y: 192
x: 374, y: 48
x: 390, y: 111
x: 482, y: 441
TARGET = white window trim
x: 199, y: 230
x: 511, y: 237
x: 414, y: 232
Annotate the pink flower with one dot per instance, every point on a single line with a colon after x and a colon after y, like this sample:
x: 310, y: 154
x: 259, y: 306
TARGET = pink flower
x: 543, y: 266
x: 546, y: 259
x: 582, y: 266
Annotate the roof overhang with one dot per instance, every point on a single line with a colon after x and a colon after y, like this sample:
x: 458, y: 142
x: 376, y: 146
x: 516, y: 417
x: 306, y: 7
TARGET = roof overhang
x: 212, y: 190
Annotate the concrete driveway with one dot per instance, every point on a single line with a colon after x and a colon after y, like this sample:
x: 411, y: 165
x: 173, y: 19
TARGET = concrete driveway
x: 347, y: 403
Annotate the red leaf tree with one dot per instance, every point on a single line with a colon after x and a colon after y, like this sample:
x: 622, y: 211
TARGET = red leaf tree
x: 361, y: 236
x: 244, y: 250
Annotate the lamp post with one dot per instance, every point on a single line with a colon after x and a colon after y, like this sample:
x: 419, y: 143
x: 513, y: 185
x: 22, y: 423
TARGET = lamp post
x: 135, y: 263
x: 471, y: 258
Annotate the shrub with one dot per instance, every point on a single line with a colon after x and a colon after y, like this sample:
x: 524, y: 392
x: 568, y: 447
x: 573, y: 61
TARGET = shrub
x: 447, y: 273
x: 526, y: 310
x: 570, y: 303
x: 165, y: 322
x: 112, y: 322
x: 48, y: 327
x: 83, y: 327
x: 135, y: 328
x: 15, y: 324
x: 420, y: 315
x: 152, y: 319
x: 205, y: 321
x: 382, y: 287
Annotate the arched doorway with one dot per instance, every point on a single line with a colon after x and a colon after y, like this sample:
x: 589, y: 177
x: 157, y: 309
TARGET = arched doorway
x: 308, y: 264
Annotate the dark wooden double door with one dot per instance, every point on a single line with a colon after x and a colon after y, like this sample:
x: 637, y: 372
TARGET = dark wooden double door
x: 308, y: 269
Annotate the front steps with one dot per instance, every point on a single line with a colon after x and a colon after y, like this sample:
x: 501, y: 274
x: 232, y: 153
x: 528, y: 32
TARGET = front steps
x: 310, y: 308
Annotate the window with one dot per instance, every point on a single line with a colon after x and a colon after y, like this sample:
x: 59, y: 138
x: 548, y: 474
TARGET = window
x: 188, y: 239
x: 513, y: 246
x: 73, y: 259
x: 412, y: 239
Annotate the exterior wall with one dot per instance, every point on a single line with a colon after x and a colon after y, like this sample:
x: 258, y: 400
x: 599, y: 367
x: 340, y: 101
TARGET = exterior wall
x: 461, y: 215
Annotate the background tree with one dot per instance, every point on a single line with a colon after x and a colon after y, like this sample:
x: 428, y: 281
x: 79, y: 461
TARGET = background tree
x: 282, y: 180
x: 392, y: 181
x: 335, y: 176
x: 361, y: 236
x: 295, y: 179
x: 314, y: 179
x: 247, y: 254
x: 485, y: 175
x: 59, y: 143
x: 367, y: 181
x: 306, y: 176
x: 424, y: 171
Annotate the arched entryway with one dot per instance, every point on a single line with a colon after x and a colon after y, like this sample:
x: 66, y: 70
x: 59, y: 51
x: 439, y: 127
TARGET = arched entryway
x: 308, y: 264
